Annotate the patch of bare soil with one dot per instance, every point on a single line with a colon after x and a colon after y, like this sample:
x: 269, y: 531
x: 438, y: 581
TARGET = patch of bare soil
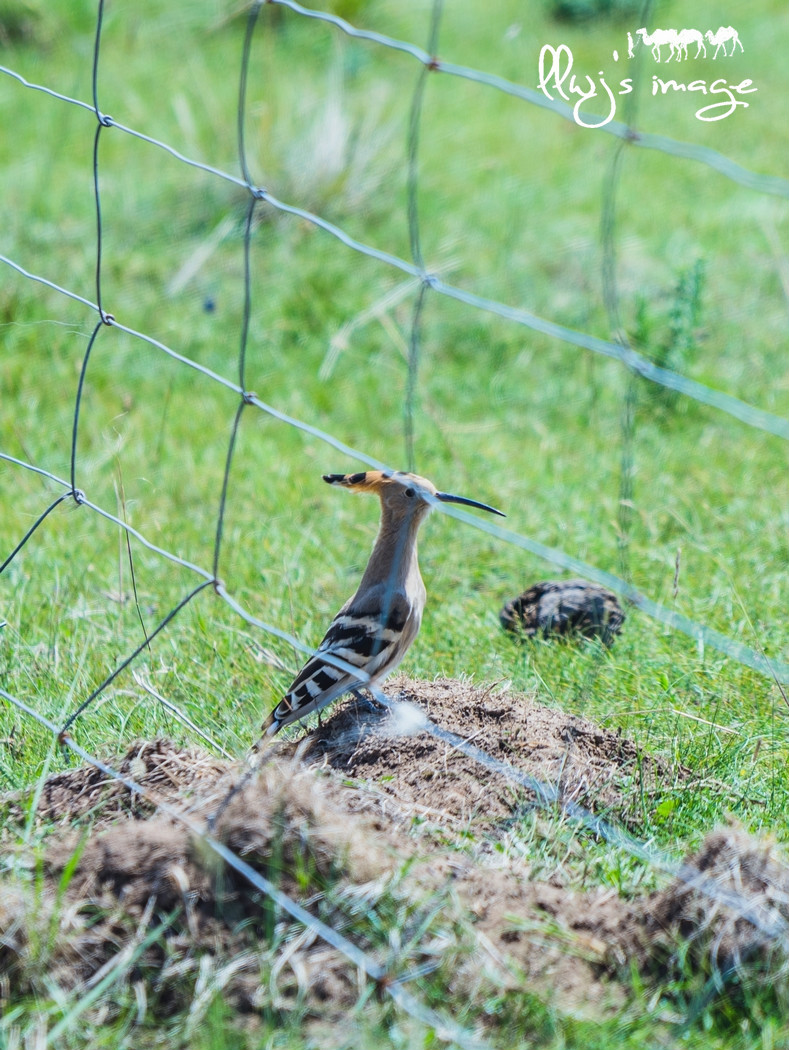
x: 583, y: 762
x: 151, y: 867
x: 333, y: 845
x: 166, y: 773
x: 731, y: 905
x: 725, y: 914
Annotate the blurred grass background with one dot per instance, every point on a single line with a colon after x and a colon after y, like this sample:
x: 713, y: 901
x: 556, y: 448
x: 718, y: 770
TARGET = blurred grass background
x: 510, y: 200
x: 510, y: 204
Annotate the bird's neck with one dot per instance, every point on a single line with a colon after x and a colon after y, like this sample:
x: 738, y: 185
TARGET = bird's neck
x: 394, y: 556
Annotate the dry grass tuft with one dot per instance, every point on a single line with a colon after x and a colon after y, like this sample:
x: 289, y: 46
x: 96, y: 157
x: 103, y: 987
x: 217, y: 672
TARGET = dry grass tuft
x: 699, y: 920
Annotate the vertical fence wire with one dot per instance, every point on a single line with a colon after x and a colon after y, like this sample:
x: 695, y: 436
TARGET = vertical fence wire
x: 414, y: 232
x: 618, y: 347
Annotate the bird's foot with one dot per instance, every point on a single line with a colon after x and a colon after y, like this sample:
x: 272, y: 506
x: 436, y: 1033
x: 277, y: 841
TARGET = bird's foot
x: 369, y: 701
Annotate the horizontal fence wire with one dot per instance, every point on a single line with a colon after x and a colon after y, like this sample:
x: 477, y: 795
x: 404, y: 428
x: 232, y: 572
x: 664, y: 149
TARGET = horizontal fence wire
x: 773, y: 669
x: 772, y: 184
x: 637, y: 363
x: 546, y: 795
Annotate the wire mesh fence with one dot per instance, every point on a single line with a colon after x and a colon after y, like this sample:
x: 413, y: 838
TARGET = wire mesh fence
x: 83, y: 475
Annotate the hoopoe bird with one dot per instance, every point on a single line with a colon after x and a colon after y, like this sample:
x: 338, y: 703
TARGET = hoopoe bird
x: 374, y: 629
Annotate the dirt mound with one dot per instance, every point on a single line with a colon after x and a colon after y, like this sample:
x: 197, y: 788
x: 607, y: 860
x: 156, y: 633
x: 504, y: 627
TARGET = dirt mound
x: 568, y: 944
x: 583, y: 762
x: 165, y: 772
x: 729, y: 905
x: 150, y: 867
x: 147, y: 893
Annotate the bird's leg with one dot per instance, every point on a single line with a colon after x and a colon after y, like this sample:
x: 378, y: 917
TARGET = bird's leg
x: 369, y: 700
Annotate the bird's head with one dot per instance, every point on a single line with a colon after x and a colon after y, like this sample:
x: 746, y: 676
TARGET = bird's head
x: 402, y: 494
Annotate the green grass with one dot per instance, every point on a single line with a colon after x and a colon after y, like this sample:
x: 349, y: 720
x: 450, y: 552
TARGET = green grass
x: 509, y: 204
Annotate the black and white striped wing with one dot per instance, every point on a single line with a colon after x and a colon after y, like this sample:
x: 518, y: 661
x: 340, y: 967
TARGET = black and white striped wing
x: 370, y: 636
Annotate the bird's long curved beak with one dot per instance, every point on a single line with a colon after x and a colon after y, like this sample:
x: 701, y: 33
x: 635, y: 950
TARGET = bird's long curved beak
x: 447, y: 497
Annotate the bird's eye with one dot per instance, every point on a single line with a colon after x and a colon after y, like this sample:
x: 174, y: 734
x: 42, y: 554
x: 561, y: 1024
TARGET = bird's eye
x: 410, y: 492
